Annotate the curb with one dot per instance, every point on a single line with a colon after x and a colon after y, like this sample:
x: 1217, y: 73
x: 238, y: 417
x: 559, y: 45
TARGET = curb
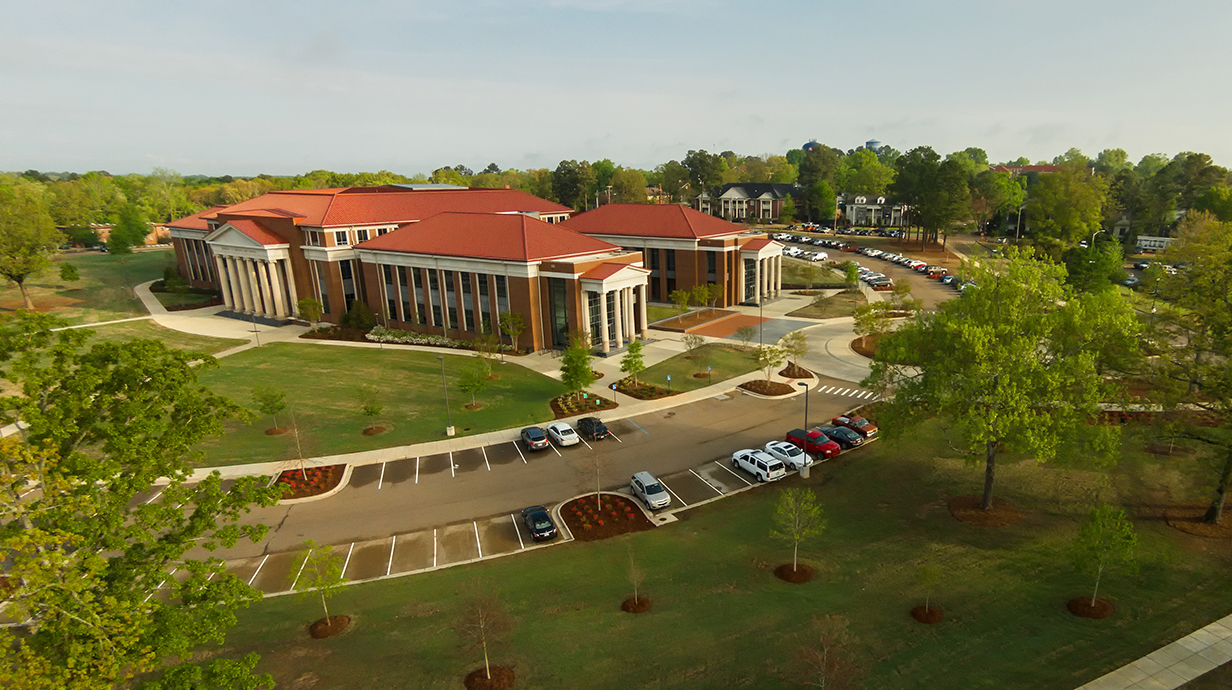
x: 342, y: 484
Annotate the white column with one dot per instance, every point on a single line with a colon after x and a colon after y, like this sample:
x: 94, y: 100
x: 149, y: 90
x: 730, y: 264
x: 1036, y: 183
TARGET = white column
x: 757, y: 281
x: 778, y: 276
x: 263, y: 279
x: 241, y: 279
x: 630, y: 328
x: 280, y: 304
x: 603, y: 322
x: 641, y: 307
x: 294, y: 306
x: 765, y: 278
x: 585, y: 325
x: 251, y: 271
x: 224, y: 284
x: 619, y: 336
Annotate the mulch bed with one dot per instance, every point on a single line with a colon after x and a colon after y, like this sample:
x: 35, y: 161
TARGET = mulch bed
x: 966, y: 509
x: 1081, y: 606
x: 1188, y: 519
x: 501, y: 678
x: 277, y: 431
x: 795, y: 371
x: 328, y: 628
x: 642, y: 390
x: 217, y: 301
x: 865, y: 346
x: 928, y: 616
x: 319, y: 480
x: 638, y: 605
x: 352, y: 335
x: 692, y: 319
x: 572, y: 405
x: 597, y: 374
x: 801, y: 574
x: 374, y: 430
x: 620, y: 515
x: 762, y: 387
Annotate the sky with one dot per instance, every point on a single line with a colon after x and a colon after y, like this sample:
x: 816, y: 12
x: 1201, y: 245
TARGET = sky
x: 281, y: 87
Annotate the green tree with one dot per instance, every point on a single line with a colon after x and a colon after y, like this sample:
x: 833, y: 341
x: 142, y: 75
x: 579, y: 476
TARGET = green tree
x: 485, y: 621
x: 359, y: 316
x: 851, y: 275
x: 129, y: 231
x: 316, y: 571
x: 1111, y: 162
x: 745, y: 335
x: 69, y: 273
x: 770, y: 357
x: 692, y: 341
x: 1097, y: 267
x: 270, y: 401
x: 486, y: 345
x: 675, y: 180
x: 575, y: 369
x: 1105, y: 541
x: 572, y: 182
x: 1018, y: 359
x: 700, y: 294
x: 798, y: 517
x: 310, y: 309
x: 681, y: 299
x: 993, y: 193
x: 474, y: 380
x: 787, y: 214
x: 714, y: 292
x: 1068, y: 206
x: 628, y: 186
x: 604, y: 171
x: 86, y: 554
x: 820, y: 164
x: 795, y: 345
x: 218, y: 674
x: 27, y: 236
x: 819, y: 201
x: 632, y: 363
x: 512, y: 324
x: 1217, y: 201
x: 928, y: 576
x: 705, y: 169
x: 369, y: 404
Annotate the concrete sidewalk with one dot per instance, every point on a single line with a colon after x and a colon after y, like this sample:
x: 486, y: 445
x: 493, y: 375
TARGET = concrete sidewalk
x: 1175, y: 664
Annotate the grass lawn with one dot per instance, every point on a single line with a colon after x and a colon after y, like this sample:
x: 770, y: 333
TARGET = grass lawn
x: 810, y: 274
x: 725, y: 360
x: 322, y: 384
x: 104, y: 292
x: 722, y: 620
x: 842, y: 304
x: 657, y: 312
x: 133, y: 330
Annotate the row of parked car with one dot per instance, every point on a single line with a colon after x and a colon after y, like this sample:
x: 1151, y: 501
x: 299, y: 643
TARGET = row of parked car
x: 941, y: 273
x: 801, y: 448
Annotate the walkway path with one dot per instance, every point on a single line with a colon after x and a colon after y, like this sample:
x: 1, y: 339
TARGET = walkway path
x: 1173, y: 665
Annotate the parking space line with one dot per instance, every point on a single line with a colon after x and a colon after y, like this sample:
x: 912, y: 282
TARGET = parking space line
x: 381, y: 481
x: 716, y: 489
x: 434, y: 547
x: 347, y: 562
x: 485, y: 457
x: 258, y: 570
x: 553, y: 446
x: 584, y: 441
x: 521, y: 544
x: 300, y: 572
x: 392, y: 542
x: 151, y: 499
x: 737, y: 476
x: 451, y: 472
x: 477, y: 544
x: 416, y: 470
x: 614, y: 436
x: 638, y: 426
x: 515, y: 447
x: 673, y: 493
x: 161, y: 583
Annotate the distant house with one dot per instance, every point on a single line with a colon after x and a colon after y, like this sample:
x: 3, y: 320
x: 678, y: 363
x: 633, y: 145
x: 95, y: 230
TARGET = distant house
x: 1016, y: 170
x: 761, y: 201
x: 875, y: 210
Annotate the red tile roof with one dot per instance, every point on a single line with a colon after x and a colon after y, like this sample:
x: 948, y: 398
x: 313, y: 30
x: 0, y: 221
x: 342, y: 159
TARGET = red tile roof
x: 755, y: 245
x: 606, y: 270
x: 504, y: 237
x: 196, y: 221
x: 652, y: 220
x: 386, y: 205
x: 256, y: 231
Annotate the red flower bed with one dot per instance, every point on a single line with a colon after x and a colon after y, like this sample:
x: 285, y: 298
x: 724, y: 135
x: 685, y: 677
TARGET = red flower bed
x: 310, y: 481
x: 591, y: 520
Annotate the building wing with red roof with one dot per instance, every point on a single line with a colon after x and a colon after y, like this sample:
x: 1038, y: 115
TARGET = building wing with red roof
x: 501, y: 237
x: 652, y: 220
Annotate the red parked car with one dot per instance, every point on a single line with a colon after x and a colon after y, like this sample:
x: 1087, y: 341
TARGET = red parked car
x: 813, y: 442
x: 859, y: 425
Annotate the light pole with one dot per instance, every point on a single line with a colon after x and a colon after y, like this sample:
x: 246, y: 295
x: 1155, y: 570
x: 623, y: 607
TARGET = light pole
x: 804, y: 469
x: 1018, y: 230
x: 806, y: 397
x: 448, y: 420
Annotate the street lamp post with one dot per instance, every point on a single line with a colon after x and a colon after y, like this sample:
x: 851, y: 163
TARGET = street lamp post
x: 806, y: 397
x: 1018, y: 230
x: 449, y: 431
x: 804, y: 469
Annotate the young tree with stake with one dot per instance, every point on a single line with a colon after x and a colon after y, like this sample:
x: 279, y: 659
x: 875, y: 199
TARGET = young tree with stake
x: 681, y: 299
x: 632, y: 363
x: 798, y: 517
x: 927, y: 576
x: 770, y: 357
x: 485, y: 621
x: 473, y: 381
x: 1106, y: 541
x: 317, y: 571
x: 269, y: 401
x: 745, y: 335
x: 512, y: 324
x: 370, y: 404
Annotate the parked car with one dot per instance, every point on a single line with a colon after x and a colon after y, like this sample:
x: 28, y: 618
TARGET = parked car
x: 539, y: 523
x: 936, y: 271
x: 1142, y: 265
x: 916, y: 264
x: 789, y: 454
x: 857, y: 424
x: 650, y: 491
x: 948, y: 279
x: 534, y: 438
x: 760, y: 464
x: 1130, y: 281
x: 881, y: 284
x: 563, y: 434
x: 844, y: 437
x: 813, y: 442
x: 592, y: 429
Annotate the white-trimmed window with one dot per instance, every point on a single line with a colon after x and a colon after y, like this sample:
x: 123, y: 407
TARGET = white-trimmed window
x: 342, y: 239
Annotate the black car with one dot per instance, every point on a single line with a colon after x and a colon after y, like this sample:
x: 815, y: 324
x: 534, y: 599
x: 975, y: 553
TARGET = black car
x: 1142, y: 265
x: 539, y: 523
x: 534, y: 438
x: 592, y: 429
x: 844, y: 437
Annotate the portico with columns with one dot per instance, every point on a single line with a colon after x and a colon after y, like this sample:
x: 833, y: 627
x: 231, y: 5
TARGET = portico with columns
x: 254, y: 271
x: 761, y: 265
x: 613, y: 298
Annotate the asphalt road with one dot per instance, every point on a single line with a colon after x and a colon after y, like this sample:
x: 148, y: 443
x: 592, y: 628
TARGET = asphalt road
x: 415, y: 494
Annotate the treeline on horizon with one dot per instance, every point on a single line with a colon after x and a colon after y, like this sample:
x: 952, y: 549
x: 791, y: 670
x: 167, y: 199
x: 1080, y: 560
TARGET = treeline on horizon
x: 960, y: 187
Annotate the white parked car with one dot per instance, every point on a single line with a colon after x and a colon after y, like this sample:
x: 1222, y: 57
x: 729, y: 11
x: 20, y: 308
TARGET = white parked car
x: 649, y: 491
x: 820, y: 256
x: 789, y: 454
x: 563, y: 434
x: 760, y: 464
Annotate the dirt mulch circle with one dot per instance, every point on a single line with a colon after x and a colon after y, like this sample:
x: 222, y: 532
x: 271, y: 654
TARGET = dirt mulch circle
x: 966, y: 509
x: 328, y: 628
x: 473, y: 406
x: 795, y: 371
x: 277, y: 431
x: 928, y: 616
x: 702, y: 375
x: 570, y: 405
x: 865, y: 346
x: 374, y: 430
x: 310, y: 481
x: 1188, y: 519
x: 801, y: 574
x: 642, y: 390
x: 638, y: 605
x: 1081, y: 606
x: 762, y: 387
x: 501, y: 679
x: 613, y: 516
